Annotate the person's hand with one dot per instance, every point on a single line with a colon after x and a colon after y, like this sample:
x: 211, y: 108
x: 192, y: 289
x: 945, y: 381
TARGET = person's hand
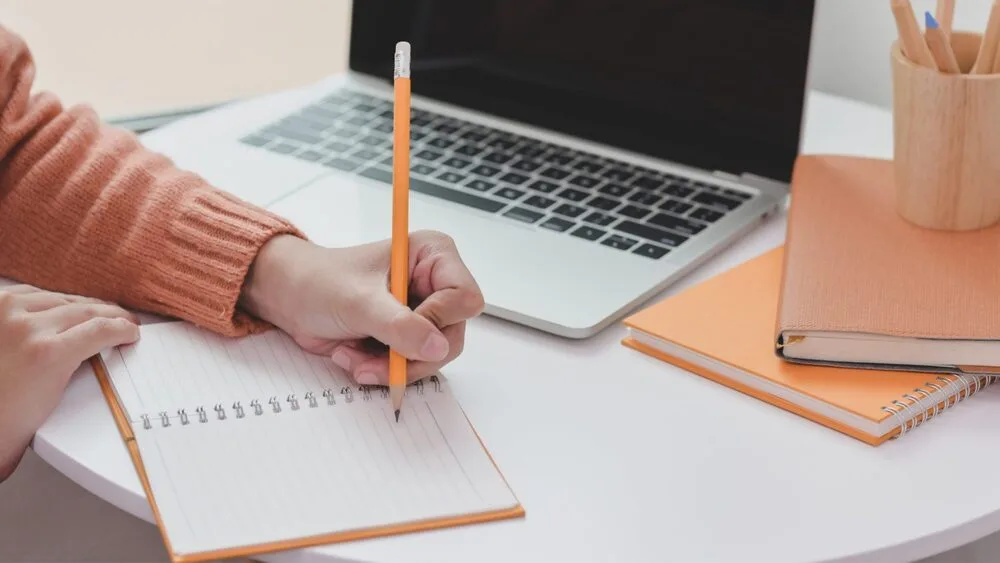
x: 336, y: 302
x: 44, y: 337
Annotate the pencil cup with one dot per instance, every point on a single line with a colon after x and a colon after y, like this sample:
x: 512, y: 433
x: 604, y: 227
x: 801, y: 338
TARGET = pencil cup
x: 946, y: 130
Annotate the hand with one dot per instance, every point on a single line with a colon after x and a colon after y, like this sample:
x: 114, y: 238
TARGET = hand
x: 337, y: 302
x: 44, y: 337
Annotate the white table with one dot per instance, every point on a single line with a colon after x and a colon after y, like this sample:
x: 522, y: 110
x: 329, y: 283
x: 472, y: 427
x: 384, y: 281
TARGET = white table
x: 619, y: 457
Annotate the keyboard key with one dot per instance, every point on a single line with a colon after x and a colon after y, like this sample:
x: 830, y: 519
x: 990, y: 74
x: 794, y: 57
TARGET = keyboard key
x: 304, y: 124
x: 616, y: 190
x: 707, y: 215
x: 345, y: 132
x: 502, y: 143
x: 481, y: 185
x: 446, y: 128
x: 422, y: 169
x: 336, y: 146
x: 645, y: 198
x: 524, y: 215
x: 678, y: 224
x: 736, y: 194
x: 440, y: 142
x: 373, y: 141
x: 588, y: 166
x: 341, y: 164
x: 451, y: 177
x: 428, y: 155
x: 468, y: 150
x: 456, y: 162
x: 255, y: 140
x: 560, y: 158
x: 633, y: 212
x: 675, y: 206
x: 573, y: 195
x: 651, y: 251
x: 569, y: 210
x: 526, y: 165
x: 514, y: 178
x: 384, y: 127
x: 650, y: 233
x: 584, y: 181
x: 555, y: 173
x: 619, y: 242
x: 617, y: 174
x: 484, y: 170
x: 357, y: 120
x: 509, y: 193
x: 283, y: 148
x: 310, y: 156
x: 603, y: 203
x: 539, y: 201
x: 300, y: 136
x: 647, y: 183
x: 417, y: 135
x: 366, y: 154
x: 439, y: 191
x: 599, y: 218
x: 543, y: 186
x: 474, y: 135
x: 530, y: 150
x: 678, y: 190
x: 417, y: 121
x: 497, y: 157
x: 589, y: 233
x: 557, y: 224
x: 716, y: 201
x: 364, y: 108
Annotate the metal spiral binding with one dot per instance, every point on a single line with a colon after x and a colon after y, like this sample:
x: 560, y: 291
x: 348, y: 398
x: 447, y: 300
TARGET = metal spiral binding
x: 348, y: 394
x: 924, y: 403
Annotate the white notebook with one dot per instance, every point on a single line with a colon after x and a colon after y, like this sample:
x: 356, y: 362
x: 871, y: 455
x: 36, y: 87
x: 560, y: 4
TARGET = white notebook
x: 251, y: 445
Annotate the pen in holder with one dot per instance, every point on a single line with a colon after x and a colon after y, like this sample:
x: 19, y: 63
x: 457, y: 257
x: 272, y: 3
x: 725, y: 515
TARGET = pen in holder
x: 946, y: 131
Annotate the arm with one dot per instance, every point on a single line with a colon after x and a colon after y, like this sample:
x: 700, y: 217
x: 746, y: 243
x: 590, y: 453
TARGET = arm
x: 85, y: 209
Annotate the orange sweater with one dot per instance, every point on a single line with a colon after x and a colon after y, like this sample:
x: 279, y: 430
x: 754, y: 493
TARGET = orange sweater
x: 85, y: 209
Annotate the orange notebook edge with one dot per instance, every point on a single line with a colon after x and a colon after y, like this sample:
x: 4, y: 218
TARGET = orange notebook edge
x: 125, y: 429
x: 758, y: 394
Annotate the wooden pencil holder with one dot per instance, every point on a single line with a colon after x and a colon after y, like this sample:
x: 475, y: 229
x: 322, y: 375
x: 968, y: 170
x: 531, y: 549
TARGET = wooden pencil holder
x: 946, y: 130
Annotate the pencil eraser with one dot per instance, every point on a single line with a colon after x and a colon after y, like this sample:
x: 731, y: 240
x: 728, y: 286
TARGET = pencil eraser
x: 929, y: 21
x: 401, y: 66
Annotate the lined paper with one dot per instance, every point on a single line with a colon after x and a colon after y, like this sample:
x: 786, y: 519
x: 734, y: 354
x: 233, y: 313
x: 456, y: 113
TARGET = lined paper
x: 223, y: 480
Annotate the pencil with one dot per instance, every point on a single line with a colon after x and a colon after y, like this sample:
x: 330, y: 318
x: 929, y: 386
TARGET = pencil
x: 988, y: 47
x: 940, y: 47
x: 400, y: 254
x: 914, y: 46
x: 945, y: 16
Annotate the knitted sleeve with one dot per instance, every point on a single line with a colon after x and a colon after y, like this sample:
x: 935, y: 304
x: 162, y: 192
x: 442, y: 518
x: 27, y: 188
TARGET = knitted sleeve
x: 85, y: 209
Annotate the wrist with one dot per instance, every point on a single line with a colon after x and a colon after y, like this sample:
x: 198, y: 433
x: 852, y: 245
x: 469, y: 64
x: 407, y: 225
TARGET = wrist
x: 271, y: 278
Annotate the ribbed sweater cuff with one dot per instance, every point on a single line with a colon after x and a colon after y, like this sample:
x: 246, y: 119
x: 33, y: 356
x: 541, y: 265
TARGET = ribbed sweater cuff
x: 204, y: 260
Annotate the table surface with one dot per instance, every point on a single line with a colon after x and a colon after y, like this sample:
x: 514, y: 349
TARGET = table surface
x: 619, y: 457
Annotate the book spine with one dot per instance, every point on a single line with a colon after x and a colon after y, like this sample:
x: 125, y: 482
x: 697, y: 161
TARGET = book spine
x: 256, y: 408
x: 913, y: 409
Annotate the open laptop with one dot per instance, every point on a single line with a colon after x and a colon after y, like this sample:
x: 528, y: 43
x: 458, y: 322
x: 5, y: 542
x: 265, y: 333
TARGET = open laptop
x: 583, y: 154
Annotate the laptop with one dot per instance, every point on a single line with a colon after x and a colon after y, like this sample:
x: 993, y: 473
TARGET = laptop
x: 584, y: 155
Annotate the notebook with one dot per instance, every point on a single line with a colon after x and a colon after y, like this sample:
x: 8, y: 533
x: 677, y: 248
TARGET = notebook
x: 247, y: 446
x: 722, y: 329
x: 863, y: 286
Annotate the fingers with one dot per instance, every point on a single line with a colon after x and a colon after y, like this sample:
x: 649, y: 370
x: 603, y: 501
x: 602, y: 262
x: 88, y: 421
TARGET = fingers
x: 95, y: 334
x: 403, y: 330
x: 373, y: 369
x: 448, y: 290
x: 64, y: 317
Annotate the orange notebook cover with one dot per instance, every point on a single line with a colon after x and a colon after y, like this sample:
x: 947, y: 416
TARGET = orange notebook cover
x: 862, y: 286
x: 723, y: 328
x: 251, y: 446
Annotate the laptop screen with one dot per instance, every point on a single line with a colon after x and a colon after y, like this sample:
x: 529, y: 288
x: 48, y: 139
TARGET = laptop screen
x: 715, y: 84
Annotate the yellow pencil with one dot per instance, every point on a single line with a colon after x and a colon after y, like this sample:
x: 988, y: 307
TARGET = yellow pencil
x: 945, y: 16
x: 400, y: 254
x: 914, y: 46
x: 940, y: 47
x: 988, y: 47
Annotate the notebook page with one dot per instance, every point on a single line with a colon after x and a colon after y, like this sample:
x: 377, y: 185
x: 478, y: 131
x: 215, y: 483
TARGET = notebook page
x: 300, y: 468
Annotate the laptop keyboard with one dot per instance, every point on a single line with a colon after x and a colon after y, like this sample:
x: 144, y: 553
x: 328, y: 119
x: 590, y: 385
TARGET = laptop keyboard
x: 609, y: 202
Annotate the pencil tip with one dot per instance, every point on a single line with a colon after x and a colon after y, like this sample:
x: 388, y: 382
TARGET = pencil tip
x: 929, y: 21
x: 397, y: 415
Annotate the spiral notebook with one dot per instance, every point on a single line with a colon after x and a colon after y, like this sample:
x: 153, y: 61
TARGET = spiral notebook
x: 722, y: 329
x: 248, y: 446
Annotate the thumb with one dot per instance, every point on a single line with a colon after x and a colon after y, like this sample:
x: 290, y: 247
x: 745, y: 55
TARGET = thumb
x: 406, y: 332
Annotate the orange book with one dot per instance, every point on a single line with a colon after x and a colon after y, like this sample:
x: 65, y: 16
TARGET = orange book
x: 722, y: 329
x: 249, y: 446
x: 864, y: 287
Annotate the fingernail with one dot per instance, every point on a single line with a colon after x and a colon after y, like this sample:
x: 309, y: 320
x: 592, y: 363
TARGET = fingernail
x: 367, y: 378
x: 435, y: 348
x: 341, y: 359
